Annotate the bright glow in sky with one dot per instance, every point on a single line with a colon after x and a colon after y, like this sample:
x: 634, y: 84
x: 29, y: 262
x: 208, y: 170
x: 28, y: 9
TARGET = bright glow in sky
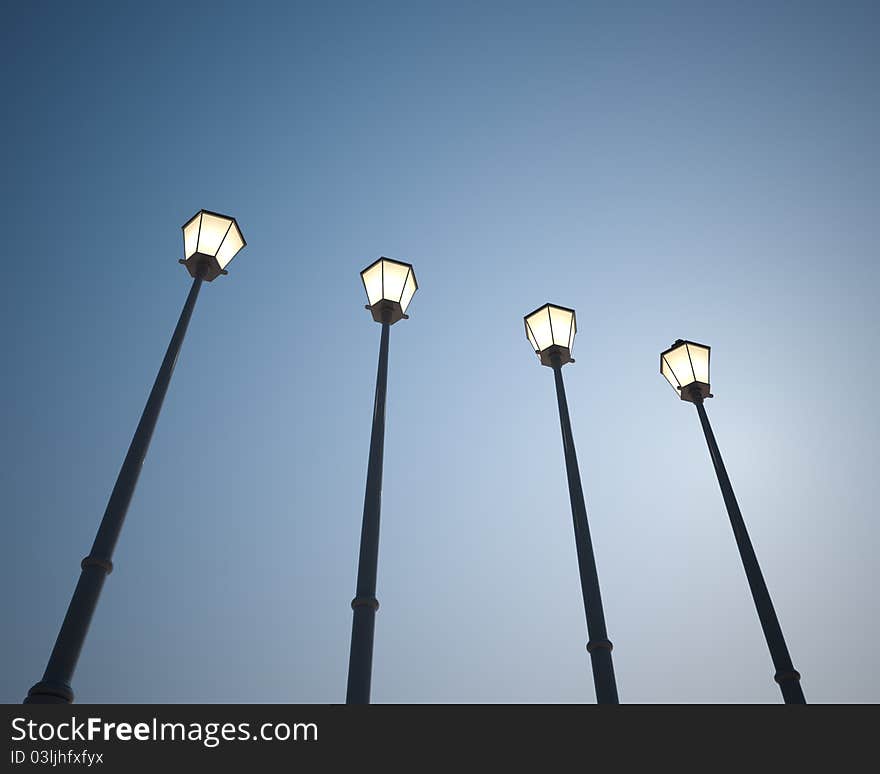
x: 688, y: 170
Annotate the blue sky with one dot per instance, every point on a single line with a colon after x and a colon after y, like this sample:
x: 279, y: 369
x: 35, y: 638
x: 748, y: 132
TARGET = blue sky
x: 681, y: 169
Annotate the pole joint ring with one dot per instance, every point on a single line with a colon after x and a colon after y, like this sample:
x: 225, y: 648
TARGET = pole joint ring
x: 782, y: 677
x: 93, y: 561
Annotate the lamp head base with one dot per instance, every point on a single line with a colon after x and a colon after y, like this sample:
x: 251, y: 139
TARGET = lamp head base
x: 555, y: 355
x: 387, y: 311
x: 695, y: 392
x: 206, y: 266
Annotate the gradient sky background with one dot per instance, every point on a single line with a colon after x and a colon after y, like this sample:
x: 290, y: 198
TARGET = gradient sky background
x: 677, y: 169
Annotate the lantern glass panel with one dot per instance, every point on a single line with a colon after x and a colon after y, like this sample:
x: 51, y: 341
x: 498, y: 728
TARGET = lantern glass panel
x: 213, y: 231
x: 191, y: 236
x: 700, y: 362
x: 561, y: 322
x: 232, y: 243
x: 372, y: 277
x: 409, y: 290
x: 680, y: 364
x: 393, y: 280
x: 667, y: 372
x: 541, y: 333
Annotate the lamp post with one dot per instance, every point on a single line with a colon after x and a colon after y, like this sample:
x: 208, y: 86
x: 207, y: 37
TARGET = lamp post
x: 686, y: 367
x: 551, y: 330
x: 390, y: 286
x: 210, y: 241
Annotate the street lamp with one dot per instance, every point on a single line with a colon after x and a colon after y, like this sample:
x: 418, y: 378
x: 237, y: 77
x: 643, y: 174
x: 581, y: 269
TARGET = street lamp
x: 390, y: 286
x: 686, y: 367
x: 210, y: 242
x: 551, y: 330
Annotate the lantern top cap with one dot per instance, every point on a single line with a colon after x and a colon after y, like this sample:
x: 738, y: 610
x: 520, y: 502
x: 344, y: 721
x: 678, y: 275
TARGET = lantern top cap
x: 548, y: 305
x: 679, y: 342
x: 218, y: 215
x: 392, y: 260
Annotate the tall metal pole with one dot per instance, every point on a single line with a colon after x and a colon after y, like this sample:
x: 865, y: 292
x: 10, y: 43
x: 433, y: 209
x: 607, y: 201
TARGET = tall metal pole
x: 786, y: 675
x: 599, y: 646
x: 55, y: 688
x: 365, y: 604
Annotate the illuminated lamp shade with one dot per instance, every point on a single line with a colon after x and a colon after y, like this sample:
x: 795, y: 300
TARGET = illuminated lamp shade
x: 210, y: 242
x: 550, y: 330
x: 686, y: 367
x: 390, y: 286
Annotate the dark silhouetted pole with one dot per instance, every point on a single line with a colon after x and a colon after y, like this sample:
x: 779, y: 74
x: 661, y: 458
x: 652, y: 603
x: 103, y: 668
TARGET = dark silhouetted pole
x: 599, y: 645
x: 786, y: 675
x: 55, y: 688
x: 365, y: 604
x: 390, y: 286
